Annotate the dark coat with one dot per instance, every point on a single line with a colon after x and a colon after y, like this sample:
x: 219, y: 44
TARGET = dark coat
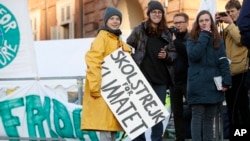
x: 181, y: 62
x: 206, y: 62
x: 243, y: 23
x: 138, y: 40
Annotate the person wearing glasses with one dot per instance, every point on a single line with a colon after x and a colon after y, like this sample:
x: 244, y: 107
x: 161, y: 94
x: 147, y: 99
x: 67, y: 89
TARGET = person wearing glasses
x: 152, y: 42
x: 180, y: 34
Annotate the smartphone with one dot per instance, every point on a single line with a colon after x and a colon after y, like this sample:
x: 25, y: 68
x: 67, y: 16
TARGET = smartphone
x: 222, y: 14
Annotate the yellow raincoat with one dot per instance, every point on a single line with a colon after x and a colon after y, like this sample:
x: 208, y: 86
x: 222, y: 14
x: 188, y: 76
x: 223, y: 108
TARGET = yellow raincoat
x: 96, y: 115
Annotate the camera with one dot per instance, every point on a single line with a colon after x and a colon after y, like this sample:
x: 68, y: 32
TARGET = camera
x: 222, y: 14
x: 173, y: 30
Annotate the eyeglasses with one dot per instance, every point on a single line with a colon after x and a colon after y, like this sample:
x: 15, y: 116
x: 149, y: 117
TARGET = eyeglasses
x: 156, y: 12
x: 180, y: 22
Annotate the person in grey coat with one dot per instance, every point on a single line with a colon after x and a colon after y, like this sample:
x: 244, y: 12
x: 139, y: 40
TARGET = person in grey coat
x: 207, y: 59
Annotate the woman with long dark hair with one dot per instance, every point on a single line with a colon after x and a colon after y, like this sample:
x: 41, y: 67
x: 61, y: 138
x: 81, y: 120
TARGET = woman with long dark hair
x: 207, y: 59
x: 151, y: 40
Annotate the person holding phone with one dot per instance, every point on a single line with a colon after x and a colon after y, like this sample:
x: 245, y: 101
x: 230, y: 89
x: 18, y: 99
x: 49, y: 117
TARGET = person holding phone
x: 237, y: 100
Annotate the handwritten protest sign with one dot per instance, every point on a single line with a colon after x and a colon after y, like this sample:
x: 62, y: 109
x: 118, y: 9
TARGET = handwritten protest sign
x: 129, y: 95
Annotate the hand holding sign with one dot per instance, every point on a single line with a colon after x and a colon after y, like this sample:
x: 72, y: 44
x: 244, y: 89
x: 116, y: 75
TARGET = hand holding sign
x: 129, y: 95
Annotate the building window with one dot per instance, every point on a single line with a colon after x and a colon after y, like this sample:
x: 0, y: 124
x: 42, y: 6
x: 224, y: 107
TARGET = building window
x: 62, y: 15
x: 65, y: 25
x: 35, y: 24
x: 68, y: 13
x: 65, y: 29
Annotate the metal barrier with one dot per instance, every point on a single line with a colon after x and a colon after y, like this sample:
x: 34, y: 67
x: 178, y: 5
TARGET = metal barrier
x: 79, y: 82
x: 80, y: 94
x: 219, y: 124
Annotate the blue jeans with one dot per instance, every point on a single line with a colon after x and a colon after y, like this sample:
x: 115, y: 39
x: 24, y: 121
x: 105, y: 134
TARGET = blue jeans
x: 202, y: 121
x: 157, y: 130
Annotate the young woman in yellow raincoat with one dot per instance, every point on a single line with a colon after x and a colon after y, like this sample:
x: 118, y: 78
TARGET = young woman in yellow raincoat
x: 96, y: 115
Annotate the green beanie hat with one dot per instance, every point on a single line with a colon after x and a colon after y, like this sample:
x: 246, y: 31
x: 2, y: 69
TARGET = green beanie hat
x: 109, y: 12
x: 152, y: 5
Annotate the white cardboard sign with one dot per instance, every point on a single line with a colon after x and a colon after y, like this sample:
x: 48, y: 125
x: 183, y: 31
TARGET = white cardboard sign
x: 129, y: 95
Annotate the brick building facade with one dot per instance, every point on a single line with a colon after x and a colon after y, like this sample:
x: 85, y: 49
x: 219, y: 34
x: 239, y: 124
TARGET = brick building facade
x: 65, y: 19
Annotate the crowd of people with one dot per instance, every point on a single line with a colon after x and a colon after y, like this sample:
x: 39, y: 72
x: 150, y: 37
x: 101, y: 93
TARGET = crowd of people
x: 185, y: 62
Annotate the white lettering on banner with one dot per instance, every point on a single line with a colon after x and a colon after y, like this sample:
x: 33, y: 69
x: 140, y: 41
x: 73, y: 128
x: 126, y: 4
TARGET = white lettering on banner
x: 5, y: 20
x: 7, y: 53
x: 129, y: 95
x: 9, y: 36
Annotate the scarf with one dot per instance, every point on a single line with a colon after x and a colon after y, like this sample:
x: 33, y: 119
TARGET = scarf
x: 117, y: 32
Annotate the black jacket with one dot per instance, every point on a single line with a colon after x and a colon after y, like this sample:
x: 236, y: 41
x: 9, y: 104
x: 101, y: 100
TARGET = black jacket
x: 181, y: 62
x: 138, y: 40
x: 243, y: 23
